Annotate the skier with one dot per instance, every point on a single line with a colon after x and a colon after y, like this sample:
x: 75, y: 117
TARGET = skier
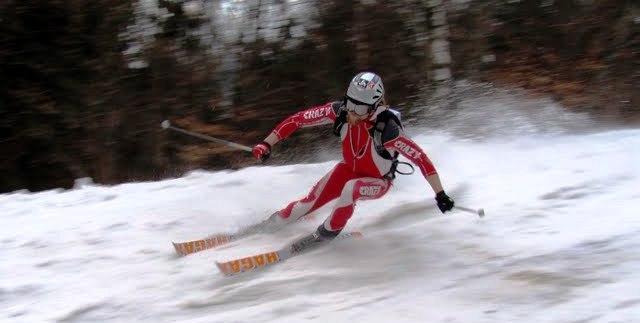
x: 372, y: 138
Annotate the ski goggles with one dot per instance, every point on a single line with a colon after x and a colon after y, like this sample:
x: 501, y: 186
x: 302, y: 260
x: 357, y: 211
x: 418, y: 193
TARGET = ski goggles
x: 357, y: 107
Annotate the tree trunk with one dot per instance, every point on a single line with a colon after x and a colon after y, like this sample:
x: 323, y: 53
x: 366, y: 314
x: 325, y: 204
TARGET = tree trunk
x: 440, y: 63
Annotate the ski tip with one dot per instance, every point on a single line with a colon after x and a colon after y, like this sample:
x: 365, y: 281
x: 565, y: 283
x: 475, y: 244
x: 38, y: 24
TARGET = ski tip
x: 481, y: 213
x: 178, y: 250
x: 249, y: 263
x: 189, y: 247
x: 223, y: 268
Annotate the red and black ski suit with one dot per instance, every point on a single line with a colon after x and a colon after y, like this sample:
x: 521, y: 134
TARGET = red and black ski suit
x: 361, y: 173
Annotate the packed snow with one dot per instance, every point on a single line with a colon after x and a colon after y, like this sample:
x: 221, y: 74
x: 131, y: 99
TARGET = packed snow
x: 560, y: 241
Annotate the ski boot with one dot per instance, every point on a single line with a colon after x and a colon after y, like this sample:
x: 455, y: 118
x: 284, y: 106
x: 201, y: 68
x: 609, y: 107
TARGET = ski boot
x: 313, y: 240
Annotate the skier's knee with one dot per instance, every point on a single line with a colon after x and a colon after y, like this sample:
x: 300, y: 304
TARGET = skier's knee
x: 367, y: 190
x: 294, y: 211
x: 348, y: 191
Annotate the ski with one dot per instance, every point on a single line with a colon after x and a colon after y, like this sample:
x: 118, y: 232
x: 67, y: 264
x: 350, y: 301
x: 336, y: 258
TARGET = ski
x: 193, y: 246
x: 188, y: 247
x: 260, y: 261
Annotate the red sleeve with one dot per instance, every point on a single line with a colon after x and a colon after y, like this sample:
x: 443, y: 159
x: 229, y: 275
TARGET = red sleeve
x: 409, y: 149
x: 314, y: 116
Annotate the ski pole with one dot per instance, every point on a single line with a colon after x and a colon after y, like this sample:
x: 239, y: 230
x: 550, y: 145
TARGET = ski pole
x: 479, y: 212
x: 167, y: 125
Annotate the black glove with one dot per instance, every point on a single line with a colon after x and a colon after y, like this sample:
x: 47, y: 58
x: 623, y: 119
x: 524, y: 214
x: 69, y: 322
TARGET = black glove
x: 445, y: 203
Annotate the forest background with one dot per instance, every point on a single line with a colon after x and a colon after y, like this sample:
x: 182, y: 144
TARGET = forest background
x: 84, y: 85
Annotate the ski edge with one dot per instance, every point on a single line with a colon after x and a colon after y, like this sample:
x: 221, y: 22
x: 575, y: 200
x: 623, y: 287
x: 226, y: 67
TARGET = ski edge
x: 250, y: 263
x: 185, y: 248
x: 189, y: 247
x: 259, y: 261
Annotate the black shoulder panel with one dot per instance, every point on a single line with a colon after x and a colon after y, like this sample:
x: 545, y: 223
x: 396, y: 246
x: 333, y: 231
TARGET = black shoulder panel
x: 387, y: 127
x: 391, y: 131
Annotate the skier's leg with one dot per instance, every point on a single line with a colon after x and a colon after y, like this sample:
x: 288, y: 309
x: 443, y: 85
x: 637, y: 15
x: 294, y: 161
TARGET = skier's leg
x: 324, y: 191
x: 367, y: 188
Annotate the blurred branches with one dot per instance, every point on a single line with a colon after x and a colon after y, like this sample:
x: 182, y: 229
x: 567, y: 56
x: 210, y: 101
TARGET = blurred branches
x: 71, y: 106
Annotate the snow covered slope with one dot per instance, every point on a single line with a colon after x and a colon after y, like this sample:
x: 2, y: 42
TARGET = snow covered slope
x: 560, y: 243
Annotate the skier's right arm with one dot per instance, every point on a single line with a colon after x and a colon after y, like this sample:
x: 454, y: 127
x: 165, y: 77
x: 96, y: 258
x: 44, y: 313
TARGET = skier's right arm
x: 394, y: 139
x: 314, y: 116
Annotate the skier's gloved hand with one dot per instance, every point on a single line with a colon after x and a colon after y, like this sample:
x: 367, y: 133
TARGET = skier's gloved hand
x: 262, y: 151
x: 445, y: 203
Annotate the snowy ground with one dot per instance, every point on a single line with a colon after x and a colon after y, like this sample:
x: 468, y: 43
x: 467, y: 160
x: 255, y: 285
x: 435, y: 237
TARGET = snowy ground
x: 560, y: 243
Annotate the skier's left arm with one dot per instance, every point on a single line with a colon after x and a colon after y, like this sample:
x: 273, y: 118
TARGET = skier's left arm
x: 310, y: 117
x: 394, y: 139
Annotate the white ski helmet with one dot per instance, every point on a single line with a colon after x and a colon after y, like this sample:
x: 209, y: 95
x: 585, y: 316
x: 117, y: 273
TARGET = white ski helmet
x: 367, y: 88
